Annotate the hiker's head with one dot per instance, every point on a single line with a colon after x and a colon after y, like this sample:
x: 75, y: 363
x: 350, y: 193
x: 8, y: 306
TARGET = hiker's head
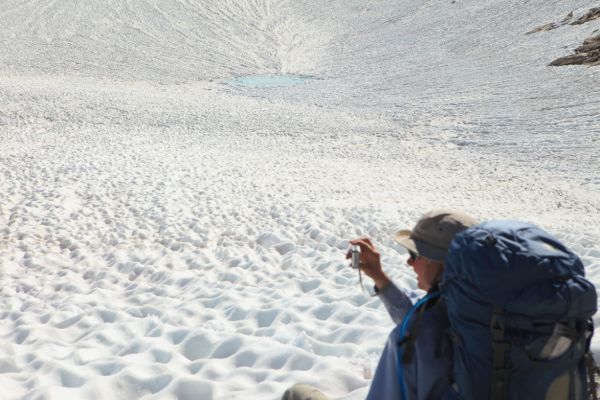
x: 429, y: 240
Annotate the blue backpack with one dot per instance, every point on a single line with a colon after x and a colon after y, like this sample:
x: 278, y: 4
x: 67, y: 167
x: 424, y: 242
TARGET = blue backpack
x: 520, y: 315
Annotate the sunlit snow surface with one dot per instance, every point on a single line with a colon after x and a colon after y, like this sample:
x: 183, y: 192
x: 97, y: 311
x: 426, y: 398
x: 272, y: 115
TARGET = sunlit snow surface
x: 270, y: 80
x: 167, y: 235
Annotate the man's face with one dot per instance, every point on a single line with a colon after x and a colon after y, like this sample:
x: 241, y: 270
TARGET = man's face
x: 428, y: 271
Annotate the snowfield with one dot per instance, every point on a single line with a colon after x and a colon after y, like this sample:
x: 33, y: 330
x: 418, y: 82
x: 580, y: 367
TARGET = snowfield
x: 166, y: 234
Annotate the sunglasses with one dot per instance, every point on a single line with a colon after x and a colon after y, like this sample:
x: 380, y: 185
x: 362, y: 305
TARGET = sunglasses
x: 413, y: 255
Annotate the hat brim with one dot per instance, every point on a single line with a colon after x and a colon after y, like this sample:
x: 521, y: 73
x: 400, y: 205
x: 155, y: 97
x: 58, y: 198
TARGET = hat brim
x: 420, y: 247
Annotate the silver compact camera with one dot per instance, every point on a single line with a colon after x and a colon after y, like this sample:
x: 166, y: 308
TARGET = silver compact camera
x: 355, y: 253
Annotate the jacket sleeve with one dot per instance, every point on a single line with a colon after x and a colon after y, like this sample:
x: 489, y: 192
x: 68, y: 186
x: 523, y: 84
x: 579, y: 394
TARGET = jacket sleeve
x: 385, y: 384
x: 396, y: 302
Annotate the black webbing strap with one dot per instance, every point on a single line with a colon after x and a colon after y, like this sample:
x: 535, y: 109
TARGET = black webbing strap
x: 442, y: 325
x: 500, y: 348
x: 572, y: 385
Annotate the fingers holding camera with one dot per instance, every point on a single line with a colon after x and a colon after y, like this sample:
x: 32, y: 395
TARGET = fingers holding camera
x: 369, y: 256
x: 365, y: 245
x: 370, y: 262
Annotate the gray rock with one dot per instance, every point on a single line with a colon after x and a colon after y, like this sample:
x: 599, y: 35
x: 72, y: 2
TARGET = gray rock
x: 591, y: 15
x: 588, y: 53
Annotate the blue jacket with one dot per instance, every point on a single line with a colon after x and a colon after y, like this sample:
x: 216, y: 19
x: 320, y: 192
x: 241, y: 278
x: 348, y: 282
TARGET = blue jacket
x: 426, y: 376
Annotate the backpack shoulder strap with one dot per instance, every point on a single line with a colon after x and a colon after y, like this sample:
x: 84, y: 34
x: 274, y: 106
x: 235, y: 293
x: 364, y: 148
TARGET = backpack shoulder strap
x: 410, y: 329
x: 408, y: 335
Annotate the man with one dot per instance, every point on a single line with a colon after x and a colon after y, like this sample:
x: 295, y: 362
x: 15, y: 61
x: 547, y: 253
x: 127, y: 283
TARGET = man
x: 417, y: 358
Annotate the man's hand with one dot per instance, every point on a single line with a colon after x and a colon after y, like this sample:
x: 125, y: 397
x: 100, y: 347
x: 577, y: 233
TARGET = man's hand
x: 370, y: 263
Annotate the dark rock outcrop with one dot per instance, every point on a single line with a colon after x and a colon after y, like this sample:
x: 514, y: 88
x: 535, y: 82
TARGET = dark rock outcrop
x: 588, y: 53
x: 591, y: 15
x: 552, y: 25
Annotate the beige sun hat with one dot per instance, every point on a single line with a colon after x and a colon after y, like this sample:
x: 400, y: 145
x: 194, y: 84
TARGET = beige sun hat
x: 433, y: 233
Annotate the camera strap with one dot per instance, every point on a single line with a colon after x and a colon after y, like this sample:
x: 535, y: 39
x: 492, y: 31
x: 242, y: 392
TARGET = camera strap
x: 365, y: 291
